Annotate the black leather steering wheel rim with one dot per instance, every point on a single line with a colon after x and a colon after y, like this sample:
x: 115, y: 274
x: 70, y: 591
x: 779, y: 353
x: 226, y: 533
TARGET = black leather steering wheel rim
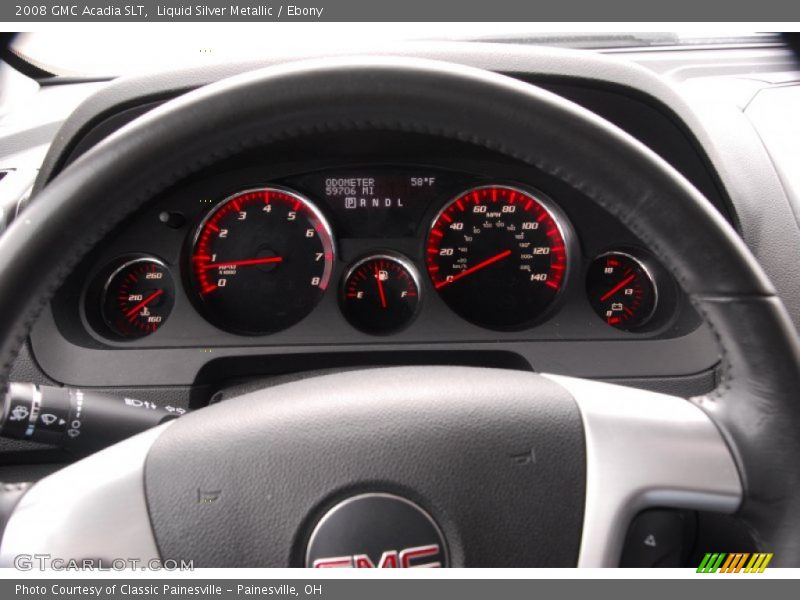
x: 755, y: 405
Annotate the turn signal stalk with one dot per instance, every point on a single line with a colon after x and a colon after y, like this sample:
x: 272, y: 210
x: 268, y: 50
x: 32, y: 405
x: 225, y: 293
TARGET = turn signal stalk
x: 76, y: 420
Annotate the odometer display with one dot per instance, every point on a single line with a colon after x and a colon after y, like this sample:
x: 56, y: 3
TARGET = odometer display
x: 261, y: 261
x: 497, y: 255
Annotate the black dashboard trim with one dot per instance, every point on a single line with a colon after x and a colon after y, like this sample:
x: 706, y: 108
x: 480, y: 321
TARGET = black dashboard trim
x: 113, y: 107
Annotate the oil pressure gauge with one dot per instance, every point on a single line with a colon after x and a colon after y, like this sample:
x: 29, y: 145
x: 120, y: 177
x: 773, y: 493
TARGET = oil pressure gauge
x: 380, y: 293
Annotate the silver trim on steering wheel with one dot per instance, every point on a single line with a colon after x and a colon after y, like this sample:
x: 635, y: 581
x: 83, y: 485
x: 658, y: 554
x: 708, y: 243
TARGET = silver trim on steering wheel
x: 645, y: 450
x: 93, y: 509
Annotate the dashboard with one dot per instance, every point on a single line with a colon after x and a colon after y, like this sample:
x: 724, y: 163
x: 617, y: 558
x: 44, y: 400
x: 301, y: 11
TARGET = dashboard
x: 429, y: 251
x: 167, y: 308
x: 388, y: 244
x: 339, y: 250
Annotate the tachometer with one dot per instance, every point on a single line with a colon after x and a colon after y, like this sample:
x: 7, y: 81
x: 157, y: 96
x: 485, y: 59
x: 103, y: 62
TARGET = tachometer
x: 261, y: 261
x: 497, y: 255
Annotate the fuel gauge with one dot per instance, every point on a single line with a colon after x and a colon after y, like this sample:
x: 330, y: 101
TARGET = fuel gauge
x: 380, y: 293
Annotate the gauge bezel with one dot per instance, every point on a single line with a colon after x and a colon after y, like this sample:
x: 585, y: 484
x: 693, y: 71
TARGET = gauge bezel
x: 110, y: 278
x: 198, y: 300
x: 404, y: 262
x: 642, y: 263
x: 561, y: 222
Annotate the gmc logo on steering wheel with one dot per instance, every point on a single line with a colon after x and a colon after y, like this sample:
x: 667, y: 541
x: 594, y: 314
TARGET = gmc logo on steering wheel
x: 390, y: 559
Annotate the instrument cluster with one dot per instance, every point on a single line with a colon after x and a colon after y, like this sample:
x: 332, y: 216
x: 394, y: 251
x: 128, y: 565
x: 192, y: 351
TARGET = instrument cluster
x: 258, y: 259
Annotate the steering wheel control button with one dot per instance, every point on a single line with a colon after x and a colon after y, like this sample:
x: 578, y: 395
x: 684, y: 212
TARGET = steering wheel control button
x: 380, y: 293
x: 376, y: 531
x: 659, y: 538
x: 137, y: 298
x: 622, y: 290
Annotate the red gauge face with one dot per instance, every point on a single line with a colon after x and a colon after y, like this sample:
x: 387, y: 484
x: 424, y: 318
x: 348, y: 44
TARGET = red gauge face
x: 261, y: 261
x: 138, y: 298
x: 497, y: 255
x: 621, y: 290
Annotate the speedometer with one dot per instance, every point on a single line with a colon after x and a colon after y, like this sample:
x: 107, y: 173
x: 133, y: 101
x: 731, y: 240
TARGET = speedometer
x: 261, y: 261
x: 497, y: 255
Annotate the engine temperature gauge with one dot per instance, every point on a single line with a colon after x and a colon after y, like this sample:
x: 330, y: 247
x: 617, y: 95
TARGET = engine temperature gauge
x: 380, y: 293
x: 137, y: 298
x: 621, y: 290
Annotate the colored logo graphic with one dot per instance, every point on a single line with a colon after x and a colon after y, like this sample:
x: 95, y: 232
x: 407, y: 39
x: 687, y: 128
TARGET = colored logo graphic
x: 376, y: 531
x: 744, y: 562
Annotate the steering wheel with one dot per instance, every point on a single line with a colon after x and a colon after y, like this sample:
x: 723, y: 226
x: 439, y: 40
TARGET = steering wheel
x: 417, y: 466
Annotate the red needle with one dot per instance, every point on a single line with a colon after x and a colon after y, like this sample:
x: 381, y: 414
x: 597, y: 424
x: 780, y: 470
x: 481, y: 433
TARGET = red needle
x: 144, y: 303
x: 244, y: 263
x: 471, y: 270
x: 380, y: 287
x: 617, y: 287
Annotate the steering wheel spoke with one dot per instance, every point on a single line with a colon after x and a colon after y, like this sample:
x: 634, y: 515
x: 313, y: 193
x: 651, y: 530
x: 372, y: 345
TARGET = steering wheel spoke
x: 645, y: 450
x: 94, y: 509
